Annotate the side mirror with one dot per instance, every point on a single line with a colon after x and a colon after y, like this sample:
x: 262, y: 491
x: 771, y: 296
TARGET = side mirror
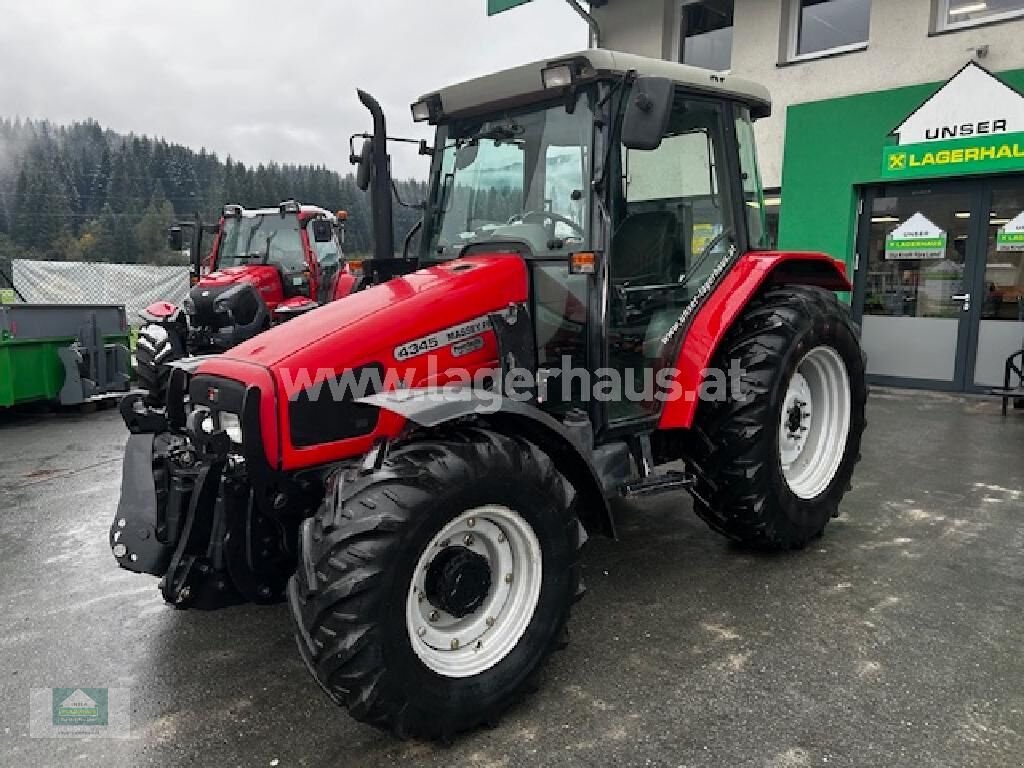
x: 175, y: 239
x: 364, y: 167
x: 323, y: 230
x: 647, y: 116
x: 465, y: 155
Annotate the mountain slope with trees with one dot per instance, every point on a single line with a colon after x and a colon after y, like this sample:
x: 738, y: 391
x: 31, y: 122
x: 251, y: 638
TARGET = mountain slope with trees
x: 85, y: 193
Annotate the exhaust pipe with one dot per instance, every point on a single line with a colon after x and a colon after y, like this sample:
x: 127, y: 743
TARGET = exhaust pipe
x: 380, y: 182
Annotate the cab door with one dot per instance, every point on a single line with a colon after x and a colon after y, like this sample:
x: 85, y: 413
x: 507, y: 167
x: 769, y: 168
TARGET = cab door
x: 675, y: 226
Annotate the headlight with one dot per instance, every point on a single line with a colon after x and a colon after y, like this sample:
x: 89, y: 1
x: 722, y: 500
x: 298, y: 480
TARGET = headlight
x: 231, y: 424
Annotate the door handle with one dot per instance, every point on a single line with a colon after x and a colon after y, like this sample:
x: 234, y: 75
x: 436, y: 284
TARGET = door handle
x: 965, y: 298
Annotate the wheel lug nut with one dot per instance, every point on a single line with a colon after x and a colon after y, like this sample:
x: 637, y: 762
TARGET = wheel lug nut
x: 455, y: 644
x: 490, y: 621
x: 468, y: 540
x: 444, y: 543
x: 508, y: 578
x: 421, y: 631
x: 471, y: 522
x: 501, y: 537
x: 434, y: 616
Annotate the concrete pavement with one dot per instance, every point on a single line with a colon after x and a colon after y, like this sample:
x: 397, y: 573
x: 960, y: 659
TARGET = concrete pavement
x: 895, y: 641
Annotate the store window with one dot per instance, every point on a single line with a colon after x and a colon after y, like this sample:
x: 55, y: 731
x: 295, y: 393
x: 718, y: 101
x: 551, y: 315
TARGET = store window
x: 957, y: 14
x: 706, y: 32
x: 821, y: 27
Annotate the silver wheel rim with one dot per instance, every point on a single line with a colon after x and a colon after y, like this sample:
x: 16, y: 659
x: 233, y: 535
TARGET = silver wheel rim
x: 815, y: 422
x: 467, y: 646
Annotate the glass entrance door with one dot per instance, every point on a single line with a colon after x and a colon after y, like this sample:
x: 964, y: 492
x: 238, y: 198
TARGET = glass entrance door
x: 913, y: 283
x: 1001, y: 323
x: 940, y: 283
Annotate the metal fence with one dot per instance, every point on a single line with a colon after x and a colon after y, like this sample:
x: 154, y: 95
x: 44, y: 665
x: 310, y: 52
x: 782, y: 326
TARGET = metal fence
x: 136, y: 286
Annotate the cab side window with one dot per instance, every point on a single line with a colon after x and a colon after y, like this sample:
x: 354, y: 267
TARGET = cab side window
x: 674, y: 202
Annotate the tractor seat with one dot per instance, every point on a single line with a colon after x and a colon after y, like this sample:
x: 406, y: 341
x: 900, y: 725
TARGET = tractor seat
x: 642, y: 249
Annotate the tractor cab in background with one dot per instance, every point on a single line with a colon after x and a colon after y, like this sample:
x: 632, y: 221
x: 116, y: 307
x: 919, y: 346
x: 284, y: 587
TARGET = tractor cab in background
x: 265, y: 266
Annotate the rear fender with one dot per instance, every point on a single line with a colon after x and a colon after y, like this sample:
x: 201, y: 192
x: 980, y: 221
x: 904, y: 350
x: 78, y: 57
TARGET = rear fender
x: 430, y: 408
x: 736, y: 289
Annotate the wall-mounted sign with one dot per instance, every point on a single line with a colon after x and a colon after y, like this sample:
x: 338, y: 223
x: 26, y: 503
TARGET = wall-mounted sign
x: 917, y: 238
x: 973, y: 124
x: 1011, y: 236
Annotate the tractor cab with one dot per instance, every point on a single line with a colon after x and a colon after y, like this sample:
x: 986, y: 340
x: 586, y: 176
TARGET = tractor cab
x: 292, y: 253
x: 627, y: 185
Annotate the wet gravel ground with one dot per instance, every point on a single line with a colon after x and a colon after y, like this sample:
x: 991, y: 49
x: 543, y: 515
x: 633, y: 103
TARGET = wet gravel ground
x: 894, y: 641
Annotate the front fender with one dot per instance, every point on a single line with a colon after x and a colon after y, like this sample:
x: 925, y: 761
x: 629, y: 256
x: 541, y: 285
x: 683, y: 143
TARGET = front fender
x: 431, y: 408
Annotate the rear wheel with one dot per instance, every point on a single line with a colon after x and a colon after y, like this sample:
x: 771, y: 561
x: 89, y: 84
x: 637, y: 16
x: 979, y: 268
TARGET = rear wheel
x: 773, y: 464
x: 430, y: 591
x: 157, y: 347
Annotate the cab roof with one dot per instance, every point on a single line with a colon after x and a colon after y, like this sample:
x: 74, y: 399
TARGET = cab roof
x: 306, y: 210
x: 523, y: 85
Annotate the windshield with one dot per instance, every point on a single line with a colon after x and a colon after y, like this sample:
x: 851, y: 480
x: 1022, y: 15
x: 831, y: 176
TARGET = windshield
x: 269, y: 238
x: 519, y: 177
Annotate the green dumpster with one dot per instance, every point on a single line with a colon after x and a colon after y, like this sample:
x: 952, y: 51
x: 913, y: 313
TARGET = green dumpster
x: 63, y: 353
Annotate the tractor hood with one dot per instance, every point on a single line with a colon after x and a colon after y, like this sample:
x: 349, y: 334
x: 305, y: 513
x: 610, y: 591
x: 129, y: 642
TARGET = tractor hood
x: 368, y: 326
x: 420, y: 328
x: 265, y: 278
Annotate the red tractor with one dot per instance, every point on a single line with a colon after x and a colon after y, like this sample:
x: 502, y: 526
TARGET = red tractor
x: 267, y: 265
x: 418, y: 465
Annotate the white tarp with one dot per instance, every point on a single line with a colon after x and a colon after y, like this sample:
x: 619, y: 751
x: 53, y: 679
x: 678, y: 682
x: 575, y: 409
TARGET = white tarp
x: 79, y: 282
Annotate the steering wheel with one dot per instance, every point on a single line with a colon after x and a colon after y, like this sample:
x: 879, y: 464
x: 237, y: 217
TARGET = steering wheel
x: 547, y: 216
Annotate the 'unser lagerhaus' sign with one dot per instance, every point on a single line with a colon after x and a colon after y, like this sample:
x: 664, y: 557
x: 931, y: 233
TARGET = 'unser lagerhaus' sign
x: 973, y: 124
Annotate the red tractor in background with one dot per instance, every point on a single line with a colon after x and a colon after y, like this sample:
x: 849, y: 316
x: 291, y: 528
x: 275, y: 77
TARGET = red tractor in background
x: 266, y: 266
x: 595, y: 215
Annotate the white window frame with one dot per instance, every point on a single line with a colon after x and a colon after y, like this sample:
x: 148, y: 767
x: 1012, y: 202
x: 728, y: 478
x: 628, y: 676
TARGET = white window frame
x: 791, y: 38
x: 679, y: 39
x: 943, y: 24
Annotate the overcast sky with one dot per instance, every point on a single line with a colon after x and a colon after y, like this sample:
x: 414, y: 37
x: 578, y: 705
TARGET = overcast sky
x: 260, y: 80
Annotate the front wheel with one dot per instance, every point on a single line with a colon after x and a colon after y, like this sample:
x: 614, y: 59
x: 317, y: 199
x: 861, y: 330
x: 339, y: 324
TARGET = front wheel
x: 157, y: 347
x: 773, y: 463
x: 430, y: 591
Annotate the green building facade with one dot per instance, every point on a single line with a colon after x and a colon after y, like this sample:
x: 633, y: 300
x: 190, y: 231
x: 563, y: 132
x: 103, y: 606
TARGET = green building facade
x: 944, y: 318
